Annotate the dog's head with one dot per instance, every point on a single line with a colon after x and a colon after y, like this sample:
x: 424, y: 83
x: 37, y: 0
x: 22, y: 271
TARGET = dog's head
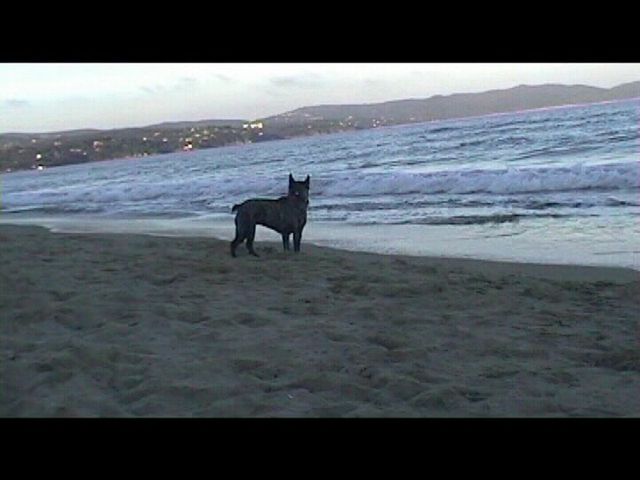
x: 299, y: 190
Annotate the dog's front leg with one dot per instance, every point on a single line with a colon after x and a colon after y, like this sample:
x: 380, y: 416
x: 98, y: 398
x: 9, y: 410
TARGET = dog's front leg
x: 285, y: 241
x: 297, y: 237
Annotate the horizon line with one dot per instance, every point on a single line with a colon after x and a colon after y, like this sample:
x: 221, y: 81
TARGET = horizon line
x: 358, y: 104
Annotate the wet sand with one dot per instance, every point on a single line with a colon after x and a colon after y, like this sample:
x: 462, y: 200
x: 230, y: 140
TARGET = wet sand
x: 114, y: 325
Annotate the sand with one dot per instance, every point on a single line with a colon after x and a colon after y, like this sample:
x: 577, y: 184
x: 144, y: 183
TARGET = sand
x: 111, y: 325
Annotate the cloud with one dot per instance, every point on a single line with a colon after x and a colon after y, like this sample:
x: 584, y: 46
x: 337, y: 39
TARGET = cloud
x: 15, y: 103
x: 306, y: 80
x: 182, y: 83
x: 376, y: 82
x: 152, y: 89
x: 222, y: 78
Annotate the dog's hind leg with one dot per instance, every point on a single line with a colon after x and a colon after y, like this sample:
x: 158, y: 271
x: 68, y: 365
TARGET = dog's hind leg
x: 285, y: 242
x: 234, y: 244
x: 240, y: 236
x: 250, y: 236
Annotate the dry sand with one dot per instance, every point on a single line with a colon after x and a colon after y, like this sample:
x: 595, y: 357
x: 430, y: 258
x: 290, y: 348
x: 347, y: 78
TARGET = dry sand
x: 134, y: 325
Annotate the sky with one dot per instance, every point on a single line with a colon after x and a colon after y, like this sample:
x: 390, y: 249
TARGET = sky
x: 43, y: 97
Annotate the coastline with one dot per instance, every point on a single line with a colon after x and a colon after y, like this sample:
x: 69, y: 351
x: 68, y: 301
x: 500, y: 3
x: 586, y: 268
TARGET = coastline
x: 499, y: 243
x: 106, y: 324
x: 306, y: 134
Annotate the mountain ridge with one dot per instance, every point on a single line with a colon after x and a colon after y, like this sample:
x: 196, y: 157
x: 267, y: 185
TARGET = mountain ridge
x: 20, y: 151
x: 459, y: 105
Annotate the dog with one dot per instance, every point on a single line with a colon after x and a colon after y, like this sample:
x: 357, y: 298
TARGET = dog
x: 285, y: 215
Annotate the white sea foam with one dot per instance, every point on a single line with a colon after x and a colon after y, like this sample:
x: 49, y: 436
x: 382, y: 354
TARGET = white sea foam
x: 212, y: 192
x: 505, y: 181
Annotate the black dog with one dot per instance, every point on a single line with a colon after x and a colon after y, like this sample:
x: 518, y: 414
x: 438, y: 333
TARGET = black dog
x: 285, y: 215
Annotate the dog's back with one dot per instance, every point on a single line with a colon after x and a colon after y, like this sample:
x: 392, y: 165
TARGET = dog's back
x: 255, y: 203
x: 271, y: 213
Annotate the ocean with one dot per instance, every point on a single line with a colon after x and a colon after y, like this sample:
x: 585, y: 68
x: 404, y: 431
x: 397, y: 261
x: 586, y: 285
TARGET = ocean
x: 558, y: 185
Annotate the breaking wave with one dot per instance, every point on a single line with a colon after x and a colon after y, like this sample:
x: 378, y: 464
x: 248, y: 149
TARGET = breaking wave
x: 504, y: 181
x: 215, y: 194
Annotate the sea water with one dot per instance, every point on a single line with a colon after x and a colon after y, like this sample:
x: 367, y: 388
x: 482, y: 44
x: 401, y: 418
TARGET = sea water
x: 557, y: 185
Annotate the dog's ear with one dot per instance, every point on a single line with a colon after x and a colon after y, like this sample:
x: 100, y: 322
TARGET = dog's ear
x: 291, y: 180
x: 306, y: 180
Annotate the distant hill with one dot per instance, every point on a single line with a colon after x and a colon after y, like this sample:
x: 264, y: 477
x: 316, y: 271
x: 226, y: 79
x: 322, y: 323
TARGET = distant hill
x: 27, y: 150
x: 20, y: 151
x: 439, y: 107
x: 200, y: 123
x: 626, y: 90
x: 158, y: 126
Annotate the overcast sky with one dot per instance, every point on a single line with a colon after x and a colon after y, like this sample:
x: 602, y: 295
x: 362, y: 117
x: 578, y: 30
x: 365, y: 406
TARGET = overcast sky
x: 49, y: 97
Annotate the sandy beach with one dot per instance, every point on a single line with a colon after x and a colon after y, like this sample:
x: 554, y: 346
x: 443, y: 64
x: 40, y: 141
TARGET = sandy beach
x: 113, y: 325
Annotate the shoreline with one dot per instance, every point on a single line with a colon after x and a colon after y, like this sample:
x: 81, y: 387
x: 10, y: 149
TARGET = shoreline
x: 565, y: 271
x: 408, y: 240
x: 112, y: 325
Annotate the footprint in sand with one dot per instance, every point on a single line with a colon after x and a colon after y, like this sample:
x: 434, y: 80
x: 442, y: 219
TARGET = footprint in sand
x: 61, y: 296
x: 251, y: 320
